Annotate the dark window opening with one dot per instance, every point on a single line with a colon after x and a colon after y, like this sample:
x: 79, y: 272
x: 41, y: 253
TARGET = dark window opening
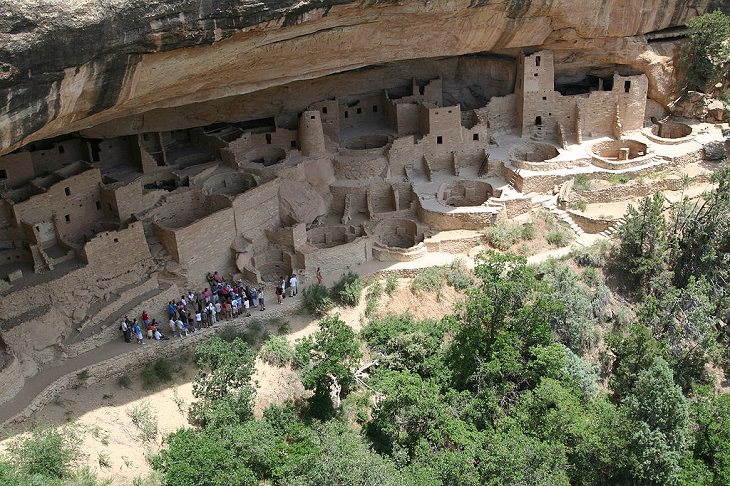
x: 145, y: 137
x: 475, y: 137
x: 535, y: 74
x: 439, y: 139
x: 537, y: 61
x: 109, y: 205
x: 98, y: 205
x: 544, y: 98
x: 359, y: 111
x: 293, y: 144
x: 347, y: 115
x: 61, y: 149
x: 627, y: 86
x: 312, y: 117
x: 95, y: 150
x: 324, y: 110
x: 268, y: 138
x: 538, y: 120
x: 375, y: 108
x: 116, y: 240
x: 67, y: 191
x: 68, y: 218
x: 3, y: 174
x: 421, y: 90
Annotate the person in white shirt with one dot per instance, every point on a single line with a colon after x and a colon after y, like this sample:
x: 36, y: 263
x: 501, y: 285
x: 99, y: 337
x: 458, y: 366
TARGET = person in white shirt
x: 181, y: 328
x: 173, y: 327
x: 292, y: 285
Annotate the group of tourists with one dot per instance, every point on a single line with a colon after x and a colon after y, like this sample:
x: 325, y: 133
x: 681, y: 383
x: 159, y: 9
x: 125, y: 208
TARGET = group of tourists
x: 197, y: 310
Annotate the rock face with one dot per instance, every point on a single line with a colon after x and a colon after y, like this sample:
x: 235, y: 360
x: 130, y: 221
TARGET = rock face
x: 70, y: 65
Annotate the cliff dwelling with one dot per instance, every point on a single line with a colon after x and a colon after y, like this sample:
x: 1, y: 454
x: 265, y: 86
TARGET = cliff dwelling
x: 114, y: 214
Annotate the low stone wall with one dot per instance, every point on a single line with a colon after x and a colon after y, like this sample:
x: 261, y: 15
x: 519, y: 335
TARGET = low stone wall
x: 591, y: 225
x: 453, y: 246
x: 621, y: 192
x: 336, y: 258
x: 439, y: 220
x: 12, y: 379
x: 392, y: 254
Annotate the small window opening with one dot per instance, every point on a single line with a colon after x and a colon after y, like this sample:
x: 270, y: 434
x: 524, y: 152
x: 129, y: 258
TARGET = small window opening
x: 145, y: 137
x: 627, y: 86
x: 359, y: 111
x: 535, y: 74
x: 67, y: 191
x: 375, y: 108
x: 109, y: 205
x: 439, y: 140
x: 347, y: 115
x: 61, y: 149
x: 421, y: 90
x: 312, y: 117
x: 268, y: 138
x: 475, y: 137
x: 37, y: 228
x: 116, y: 240
x: 537, y: 61
x: 3, y: 174
x: 98, y: 205
x: 68, y: 218
x: 538, y: 120
x: 544, y: 98
x: 324, y: 110
x: 293, y: 144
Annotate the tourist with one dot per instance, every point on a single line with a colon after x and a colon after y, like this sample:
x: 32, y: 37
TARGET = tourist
x: 199, y: 319
x: 181, y: 327
x: 261, y: 299
x: 278, y: 290
x: 150, y: 330
x: 145, y: 318
x: 246, y: 307
x: 210, y: 310
x: 173, y: 327
x: 137, y: 332
x: 292, y: 285
x: 319, y: 277
x: 254, y: 298
x: 228, y: 310
x: 234, y: 307
x: 172, y: 310
x: 126, y: 331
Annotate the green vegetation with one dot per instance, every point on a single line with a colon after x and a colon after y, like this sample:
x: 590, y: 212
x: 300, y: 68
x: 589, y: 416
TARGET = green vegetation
x: 145, y: 419
x: 529, y: 232
x: 503, y: 235
x: 158, y: 372
x: 124, y: 381
x: 428, y: 280
x: 618, y: 179
x: 704, y: 56
x: 276, y: 351
x: 372, y: 297
x: 579, y: 205
x: 431, y: 279
x: 581, y: 183
x: 347, y: 289
x: 391, y: 283
x: 45, y: 457
x: 317, y: 299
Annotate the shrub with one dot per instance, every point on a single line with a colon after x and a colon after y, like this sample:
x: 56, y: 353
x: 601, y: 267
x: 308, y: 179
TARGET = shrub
x: 503, y: 235
x: 317, y: 299
x: 528, y: 232
x: 124, y: 381
x: 47, y: 453
x: 276, y: 351
x: 591, y: 256
x: 302, y: 353
x: 157, y: 372
x: 457, y: 275
x: 428, y: 280
x: 372, y: 297
x: 582, y: 183
x: 145, y: 419
x: 391, y: 283
x: 559, y: 236
x: 348, y: 289
x: 104, y: 461
x: 592, y: 277
x: 580, y: 205
x: 618, y: 179
x: 702, y: 57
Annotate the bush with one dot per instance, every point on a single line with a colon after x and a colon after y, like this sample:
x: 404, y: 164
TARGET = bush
x: 618, y: 178
x: 580, y: 205
x: 457, y: 275
x: 372, y: 298
x: 503, y: 235
x: 591, y: 256
x: 348, y: 289
x: 145, y: 419
x: 428, y: 280
x: 559, y: 236
x: 157, y: 372
x: 47, y: 453
x: 528, y: 232
x: 391, y: 283
x: 124, y: 381
x: 582, y: 183
x: 592, y: 277
x: 317, y: 299
x: 302, y: 353
x: 702, y: 57
x: 276, y: 351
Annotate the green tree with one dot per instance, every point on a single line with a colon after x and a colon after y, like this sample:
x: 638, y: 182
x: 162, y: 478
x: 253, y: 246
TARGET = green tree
x: 710, y: 417
x: 334, y: 354
x: 704, y: 55
x: 643, y: 249
x: 633, y: 353
x: 661, y: 413
x: 223, y: 384
x: 197, y: 458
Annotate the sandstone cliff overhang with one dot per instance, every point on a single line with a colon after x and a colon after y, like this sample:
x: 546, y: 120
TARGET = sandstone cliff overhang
x: 66, y: 66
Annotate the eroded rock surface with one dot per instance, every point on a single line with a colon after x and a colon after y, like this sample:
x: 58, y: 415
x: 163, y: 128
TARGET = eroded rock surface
x: 70, y: 65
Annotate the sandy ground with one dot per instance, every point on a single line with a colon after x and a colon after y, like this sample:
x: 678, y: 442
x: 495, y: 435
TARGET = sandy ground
x: 100, y: 413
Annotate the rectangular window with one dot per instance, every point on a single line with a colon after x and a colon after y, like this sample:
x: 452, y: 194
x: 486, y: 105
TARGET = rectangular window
x: 375, y: 108
x: 475, y: 137
x: 537, y: 61
x: 67, y: 191
x: 98, y: 205
x: 268, y: 138
x: 293, y: 144
x: 324, y: 110
x: 627, y: 86
x: 439, y: 140
x: 60, y: 149
x: 3, y: 174
x: 347, y: 115
x: 68, y: 218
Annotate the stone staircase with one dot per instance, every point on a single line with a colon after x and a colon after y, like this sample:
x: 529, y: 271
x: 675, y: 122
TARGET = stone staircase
x: 551, y: 206
x: 611, y: 232
x: 512, y: 181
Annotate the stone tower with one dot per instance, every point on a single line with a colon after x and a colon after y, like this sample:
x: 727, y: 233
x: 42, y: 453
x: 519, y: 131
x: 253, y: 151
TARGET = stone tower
x: 311, y: 136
